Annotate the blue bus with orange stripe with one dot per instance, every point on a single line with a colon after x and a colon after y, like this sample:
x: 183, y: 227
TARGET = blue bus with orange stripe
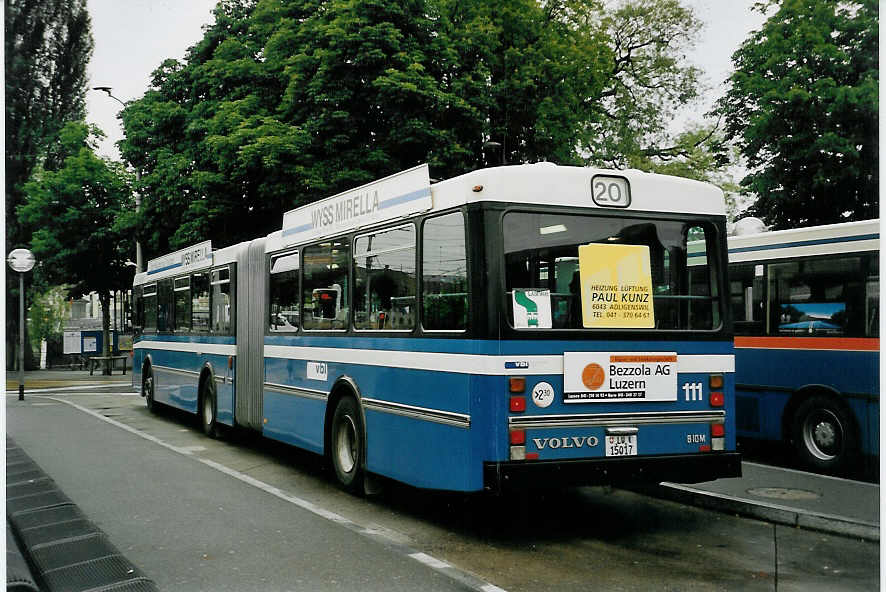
x: 511, y: 327
x: 806, y: 309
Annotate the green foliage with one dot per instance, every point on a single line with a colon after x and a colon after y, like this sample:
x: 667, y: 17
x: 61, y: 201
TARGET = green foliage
x: 284, y: 102
x: 47, y: 46
x: 72, y: 214
x: 803, y: 107
x: 700, y: 153
x: 646, y: 81
x: 46, y: 315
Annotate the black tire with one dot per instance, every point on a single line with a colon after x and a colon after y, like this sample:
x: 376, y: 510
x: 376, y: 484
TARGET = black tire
x: 824, y: 436
x: 346, y: 445
x: 208, y: 408
x: 148, y: 389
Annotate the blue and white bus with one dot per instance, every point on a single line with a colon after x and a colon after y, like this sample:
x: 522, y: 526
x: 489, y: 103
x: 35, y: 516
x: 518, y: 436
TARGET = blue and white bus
x: 510, y: 327
x: 806, y: 308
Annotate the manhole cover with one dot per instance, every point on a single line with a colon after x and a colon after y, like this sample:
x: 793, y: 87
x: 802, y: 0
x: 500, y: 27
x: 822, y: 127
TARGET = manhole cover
x: 783, y: 493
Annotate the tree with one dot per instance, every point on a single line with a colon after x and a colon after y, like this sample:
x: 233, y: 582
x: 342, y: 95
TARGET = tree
x: 73, y: 214
x: 47, y: 46
x: 284, y: 102
x: 46, y: 315
x: 701, y: 153
x: 646, y: 81
x: 802, y: 105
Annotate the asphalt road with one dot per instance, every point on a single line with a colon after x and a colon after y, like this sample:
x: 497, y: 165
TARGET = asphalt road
x: 245, y: 513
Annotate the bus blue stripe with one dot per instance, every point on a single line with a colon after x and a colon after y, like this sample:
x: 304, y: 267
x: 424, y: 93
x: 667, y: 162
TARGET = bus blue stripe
x: 806, y: 243
x: 168, y: 267
x: 412, y: 196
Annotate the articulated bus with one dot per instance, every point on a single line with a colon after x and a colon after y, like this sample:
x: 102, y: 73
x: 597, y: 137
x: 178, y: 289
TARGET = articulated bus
x: 806, y: 308
x: 511, y: 327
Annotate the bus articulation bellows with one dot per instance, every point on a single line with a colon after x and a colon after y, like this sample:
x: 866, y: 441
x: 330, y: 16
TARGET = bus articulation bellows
x: 511, y: 327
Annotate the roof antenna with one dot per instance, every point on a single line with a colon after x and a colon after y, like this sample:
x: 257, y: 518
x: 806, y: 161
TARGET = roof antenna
x: 492, y: 153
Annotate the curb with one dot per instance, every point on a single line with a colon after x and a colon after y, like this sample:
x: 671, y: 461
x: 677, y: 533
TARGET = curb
x: 776, y: 514
x: 58, y: 547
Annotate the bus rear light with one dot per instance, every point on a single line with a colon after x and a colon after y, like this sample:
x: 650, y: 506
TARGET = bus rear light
x: 518, y: 437
x: 518, y: 453
x: 718, y: 430
x: 716, y: 381
x: 718, y: 443
x: 717, y: 399
x: 517, y: 384
x: 230, y: 362
x: 518, y: 404
x: 531, y: 456
x: 704, y: 448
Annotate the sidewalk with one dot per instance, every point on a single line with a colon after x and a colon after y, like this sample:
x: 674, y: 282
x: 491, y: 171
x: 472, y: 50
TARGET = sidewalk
x: 790, y: 497
x: 62, y: 377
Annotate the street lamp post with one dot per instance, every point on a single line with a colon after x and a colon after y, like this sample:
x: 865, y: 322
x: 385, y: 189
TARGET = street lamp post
x: 22, y: 261
x: 138, y: 198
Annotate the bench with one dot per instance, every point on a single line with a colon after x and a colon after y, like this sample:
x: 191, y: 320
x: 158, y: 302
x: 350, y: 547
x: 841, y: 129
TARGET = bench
x: 107, y: 362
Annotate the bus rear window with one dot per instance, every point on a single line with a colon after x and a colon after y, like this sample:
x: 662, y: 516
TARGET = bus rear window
x: 633, y: 273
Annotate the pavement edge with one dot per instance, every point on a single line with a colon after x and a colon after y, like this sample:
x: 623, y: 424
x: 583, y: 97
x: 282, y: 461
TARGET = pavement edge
x: 836, y: 525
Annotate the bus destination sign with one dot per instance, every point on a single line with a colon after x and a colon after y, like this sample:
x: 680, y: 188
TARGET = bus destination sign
x: 192, y: 258
x: 401, y: 194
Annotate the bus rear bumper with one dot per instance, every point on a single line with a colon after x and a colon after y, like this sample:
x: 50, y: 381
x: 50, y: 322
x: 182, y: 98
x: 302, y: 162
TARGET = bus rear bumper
x: 694, y: 468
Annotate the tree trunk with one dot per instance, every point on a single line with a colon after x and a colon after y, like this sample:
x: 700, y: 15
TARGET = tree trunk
x: 104, y: 298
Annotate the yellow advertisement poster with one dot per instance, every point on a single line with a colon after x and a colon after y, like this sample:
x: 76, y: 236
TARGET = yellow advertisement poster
x: 616, y: 286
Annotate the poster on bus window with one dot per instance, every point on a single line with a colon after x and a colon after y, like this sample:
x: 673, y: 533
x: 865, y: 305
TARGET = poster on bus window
x: 532, y: 309
x: 616, y: 286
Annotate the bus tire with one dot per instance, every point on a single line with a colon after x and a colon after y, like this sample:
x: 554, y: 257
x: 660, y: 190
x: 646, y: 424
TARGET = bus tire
x: 824, y: 435
x: 347, y: 445
x: 208, y: 410
x: 148, y: 389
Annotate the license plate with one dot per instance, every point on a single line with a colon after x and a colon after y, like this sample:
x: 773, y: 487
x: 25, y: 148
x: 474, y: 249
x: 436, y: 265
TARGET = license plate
x: 621, y: 445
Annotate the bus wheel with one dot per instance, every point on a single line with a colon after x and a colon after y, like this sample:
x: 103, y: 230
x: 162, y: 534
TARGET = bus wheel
x: 347, y: 445
x: 148, y: 389
x: 823, y: 435
x: 208, y: 408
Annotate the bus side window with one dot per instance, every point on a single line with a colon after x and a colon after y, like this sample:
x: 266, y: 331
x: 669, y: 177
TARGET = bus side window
x: 148, y: 307
x: 220, y: 300
x: 385, y: 280
x: 165, y: 310
x: 182, y: 303
x: 325, y: 286
x: 746, y: 298
x: 200, y: 302
x: 817, y: 297
x: 872, y: 297
x: 284, y: 293
x: 444, y: 290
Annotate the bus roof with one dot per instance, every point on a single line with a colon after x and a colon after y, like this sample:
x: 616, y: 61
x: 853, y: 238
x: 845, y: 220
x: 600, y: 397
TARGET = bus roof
x: 540, y: 183
x: 411, y: 192
x: 846, y: 237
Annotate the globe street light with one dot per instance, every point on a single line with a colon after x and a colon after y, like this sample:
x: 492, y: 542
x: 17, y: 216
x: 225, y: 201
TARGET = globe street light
x: 139, y: 263
x: 22, y: 261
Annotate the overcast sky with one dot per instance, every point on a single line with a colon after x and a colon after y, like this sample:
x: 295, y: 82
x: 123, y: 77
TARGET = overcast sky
x: 132, y: 38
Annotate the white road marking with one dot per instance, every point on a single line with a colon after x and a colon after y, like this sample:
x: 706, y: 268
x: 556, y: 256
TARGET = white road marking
x: 83, y: 387
x: 423, y: 558
x: 430, y: 561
